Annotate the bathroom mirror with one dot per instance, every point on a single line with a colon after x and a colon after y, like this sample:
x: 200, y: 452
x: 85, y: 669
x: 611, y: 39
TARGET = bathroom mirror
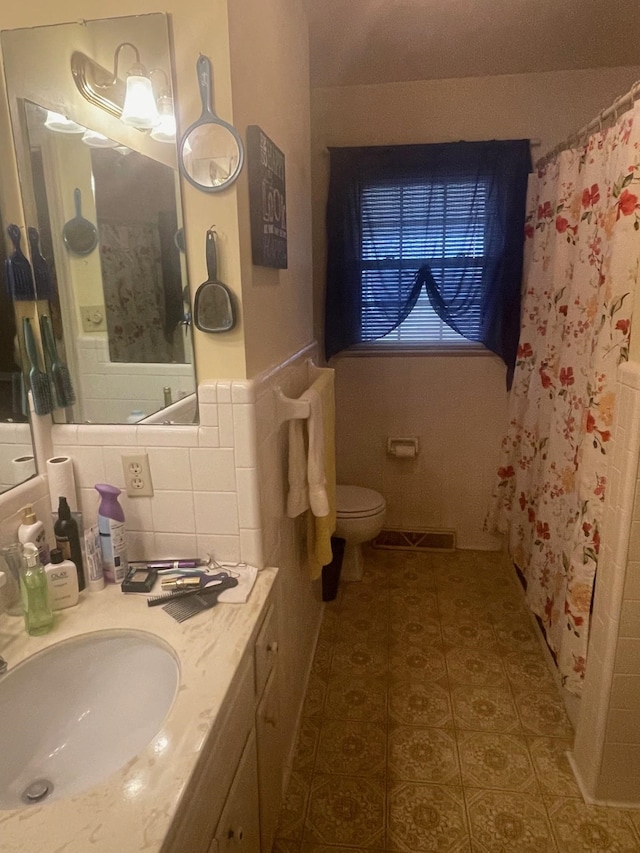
x: 17, y: 462
x: 116, y: 305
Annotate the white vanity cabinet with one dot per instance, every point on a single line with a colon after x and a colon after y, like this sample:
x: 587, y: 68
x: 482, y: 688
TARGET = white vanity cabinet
x: 232, y: 802
x: 268, y: 729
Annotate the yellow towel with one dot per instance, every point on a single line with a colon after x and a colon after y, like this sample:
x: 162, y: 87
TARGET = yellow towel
x: 320, y: 529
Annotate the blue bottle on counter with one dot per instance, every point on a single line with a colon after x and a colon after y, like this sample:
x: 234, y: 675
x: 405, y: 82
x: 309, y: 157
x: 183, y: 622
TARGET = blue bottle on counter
x: 113, y: 541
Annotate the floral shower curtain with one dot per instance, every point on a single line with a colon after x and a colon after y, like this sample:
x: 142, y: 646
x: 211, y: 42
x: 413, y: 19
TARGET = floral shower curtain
x: 582, y: 261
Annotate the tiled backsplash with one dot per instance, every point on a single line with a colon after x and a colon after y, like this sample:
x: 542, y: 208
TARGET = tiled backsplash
x: 204, y: 478
x: 15, y: 442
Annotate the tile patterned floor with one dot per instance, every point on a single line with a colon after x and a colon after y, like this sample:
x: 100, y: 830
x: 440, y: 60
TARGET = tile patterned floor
x: 432, y: 723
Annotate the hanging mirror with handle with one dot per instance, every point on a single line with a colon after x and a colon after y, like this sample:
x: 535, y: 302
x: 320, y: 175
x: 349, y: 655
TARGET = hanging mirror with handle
x: 211, y: 152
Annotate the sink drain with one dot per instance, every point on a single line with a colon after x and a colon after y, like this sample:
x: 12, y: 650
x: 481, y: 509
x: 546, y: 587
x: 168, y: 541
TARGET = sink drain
x: 37, y: 791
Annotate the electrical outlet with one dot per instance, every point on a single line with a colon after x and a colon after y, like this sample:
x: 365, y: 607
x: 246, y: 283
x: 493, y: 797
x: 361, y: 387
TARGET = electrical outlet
x: 137, y: 475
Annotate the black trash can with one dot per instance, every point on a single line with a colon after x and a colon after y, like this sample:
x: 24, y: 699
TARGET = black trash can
x: 331, y: 573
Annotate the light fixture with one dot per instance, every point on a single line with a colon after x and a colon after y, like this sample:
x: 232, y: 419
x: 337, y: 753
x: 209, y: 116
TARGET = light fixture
x: 97, y: 140
x: 165, y: 131
x: 61, y: 124
x: 134, y: 104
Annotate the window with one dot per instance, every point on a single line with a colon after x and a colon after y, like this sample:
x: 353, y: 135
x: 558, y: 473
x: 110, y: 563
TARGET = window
x: 407, y: 225
x: 425, y: 242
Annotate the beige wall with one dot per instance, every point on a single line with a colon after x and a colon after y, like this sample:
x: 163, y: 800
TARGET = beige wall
x: 270, y: 84
x: 457, y: 406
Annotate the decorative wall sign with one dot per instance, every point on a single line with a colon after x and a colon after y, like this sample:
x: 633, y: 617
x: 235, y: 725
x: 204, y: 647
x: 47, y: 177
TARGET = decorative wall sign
x: 267, y: 200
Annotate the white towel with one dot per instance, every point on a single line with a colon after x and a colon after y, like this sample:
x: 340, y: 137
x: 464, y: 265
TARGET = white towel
x: 307, y: 480
x: 318, y: 500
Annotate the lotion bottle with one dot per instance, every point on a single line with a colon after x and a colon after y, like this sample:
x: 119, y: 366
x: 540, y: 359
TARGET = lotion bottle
x: 38, y: 616
x: 68, y: 539
x: 62, y: 580
x: 32, y: 530
x: 113, y: 541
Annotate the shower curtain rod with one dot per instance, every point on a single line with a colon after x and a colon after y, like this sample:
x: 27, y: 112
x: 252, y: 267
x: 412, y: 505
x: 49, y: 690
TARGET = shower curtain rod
x: 621, y: 105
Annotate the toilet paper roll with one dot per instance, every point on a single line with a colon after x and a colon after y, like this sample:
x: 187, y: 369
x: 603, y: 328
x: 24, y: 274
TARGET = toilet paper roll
x: 22, y: 467
x: 62, y: 482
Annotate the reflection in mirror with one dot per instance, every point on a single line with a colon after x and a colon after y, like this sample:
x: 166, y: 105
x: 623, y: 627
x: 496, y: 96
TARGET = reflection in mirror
x: 16, y: 451
x: 103, y: 198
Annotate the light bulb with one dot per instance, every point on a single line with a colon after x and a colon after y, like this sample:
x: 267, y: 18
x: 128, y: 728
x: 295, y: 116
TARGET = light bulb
x: 139, y: 104
x: 166, y: 130
x: 61, y: 124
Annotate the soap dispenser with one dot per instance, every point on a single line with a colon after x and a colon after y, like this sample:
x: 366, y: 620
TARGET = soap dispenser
x: 38, y: 616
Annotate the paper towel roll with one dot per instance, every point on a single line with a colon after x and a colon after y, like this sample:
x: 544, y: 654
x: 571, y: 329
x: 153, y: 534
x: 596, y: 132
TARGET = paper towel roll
x: 22, y: 467
x: 62, y: 482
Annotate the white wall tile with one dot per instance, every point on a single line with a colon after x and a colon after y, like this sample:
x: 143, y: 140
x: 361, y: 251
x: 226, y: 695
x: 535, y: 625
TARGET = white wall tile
x: 225, y: 425
x: 213, y: 470
x: 141, y: 546
x: 208, y: 437
x: 223, y: 548
x: 628, y: 656
x: 208, y: 414
x: 138, y: 513
x: 251, y: 547
x: 244, y: 425
x: 176, y: 545
x: 170, y: 468
x: 630, y: 619
x: 207, y: 392
x: 243, y: 391
x: 223, y: 391
x: 248, y: 498
x: 166, y: 435
x: 216, y: 512
x: 173, y: 512
x: 114, y: 472
x: 625, y: 692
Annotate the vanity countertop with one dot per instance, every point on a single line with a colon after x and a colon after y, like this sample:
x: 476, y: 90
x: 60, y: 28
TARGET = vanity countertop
x: 133, y: 809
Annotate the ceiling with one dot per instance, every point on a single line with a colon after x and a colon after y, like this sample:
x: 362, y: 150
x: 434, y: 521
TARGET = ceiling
x: 380, y: 41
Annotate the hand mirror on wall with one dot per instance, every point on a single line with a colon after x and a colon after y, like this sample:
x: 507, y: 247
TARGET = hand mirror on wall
x: 80, y: 236
x: 213, y: 304
x: 211, y: 152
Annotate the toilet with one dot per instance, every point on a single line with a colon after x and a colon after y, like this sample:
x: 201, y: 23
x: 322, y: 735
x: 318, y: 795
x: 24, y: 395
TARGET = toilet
x: 360, y: 514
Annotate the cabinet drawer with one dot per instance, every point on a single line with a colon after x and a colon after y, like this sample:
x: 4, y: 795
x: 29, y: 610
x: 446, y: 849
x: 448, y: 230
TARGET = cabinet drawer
x: 266, y: 649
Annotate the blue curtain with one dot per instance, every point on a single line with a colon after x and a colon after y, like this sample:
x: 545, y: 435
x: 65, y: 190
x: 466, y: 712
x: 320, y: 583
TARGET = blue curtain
x: 476, y: 294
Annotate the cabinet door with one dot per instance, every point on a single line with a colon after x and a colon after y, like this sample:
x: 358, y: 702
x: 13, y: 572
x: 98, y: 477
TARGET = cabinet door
x: 270, y: 770
x: 266, y: 650
x: 239, y: 826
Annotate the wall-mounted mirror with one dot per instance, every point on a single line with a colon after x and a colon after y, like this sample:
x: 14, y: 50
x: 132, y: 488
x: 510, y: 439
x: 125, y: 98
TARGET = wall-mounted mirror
x: 99, y: 181
x: 17, y: 461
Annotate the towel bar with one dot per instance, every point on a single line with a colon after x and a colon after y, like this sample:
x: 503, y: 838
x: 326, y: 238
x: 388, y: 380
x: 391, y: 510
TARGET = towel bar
x: 288, y: 408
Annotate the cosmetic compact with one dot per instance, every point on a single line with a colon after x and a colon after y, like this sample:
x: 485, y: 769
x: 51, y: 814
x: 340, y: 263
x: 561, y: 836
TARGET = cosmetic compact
x: 139, y: 579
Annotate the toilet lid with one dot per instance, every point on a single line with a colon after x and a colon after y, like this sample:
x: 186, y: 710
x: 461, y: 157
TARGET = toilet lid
x: 358, y: 501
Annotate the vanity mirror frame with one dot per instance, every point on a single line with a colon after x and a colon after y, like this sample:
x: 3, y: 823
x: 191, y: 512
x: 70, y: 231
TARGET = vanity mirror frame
x: 64, y: 101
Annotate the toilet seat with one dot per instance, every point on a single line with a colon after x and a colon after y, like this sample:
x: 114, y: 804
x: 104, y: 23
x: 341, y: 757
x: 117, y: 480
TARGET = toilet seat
x: 358, y: 502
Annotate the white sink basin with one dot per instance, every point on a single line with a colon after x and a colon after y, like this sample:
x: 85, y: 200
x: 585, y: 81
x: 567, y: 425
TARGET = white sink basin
x: 73, y: 714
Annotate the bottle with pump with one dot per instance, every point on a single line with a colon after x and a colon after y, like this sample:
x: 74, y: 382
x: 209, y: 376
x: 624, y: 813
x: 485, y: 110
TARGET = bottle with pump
x: 32, y: 530
x: 38, y: 616
x: 68, y: 539
x: 62, y: 580
x: 113, y: 541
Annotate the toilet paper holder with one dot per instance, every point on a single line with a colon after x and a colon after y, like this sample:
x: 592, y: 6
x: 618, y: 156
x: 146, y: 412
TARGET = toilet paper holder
x: 403, y: 448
